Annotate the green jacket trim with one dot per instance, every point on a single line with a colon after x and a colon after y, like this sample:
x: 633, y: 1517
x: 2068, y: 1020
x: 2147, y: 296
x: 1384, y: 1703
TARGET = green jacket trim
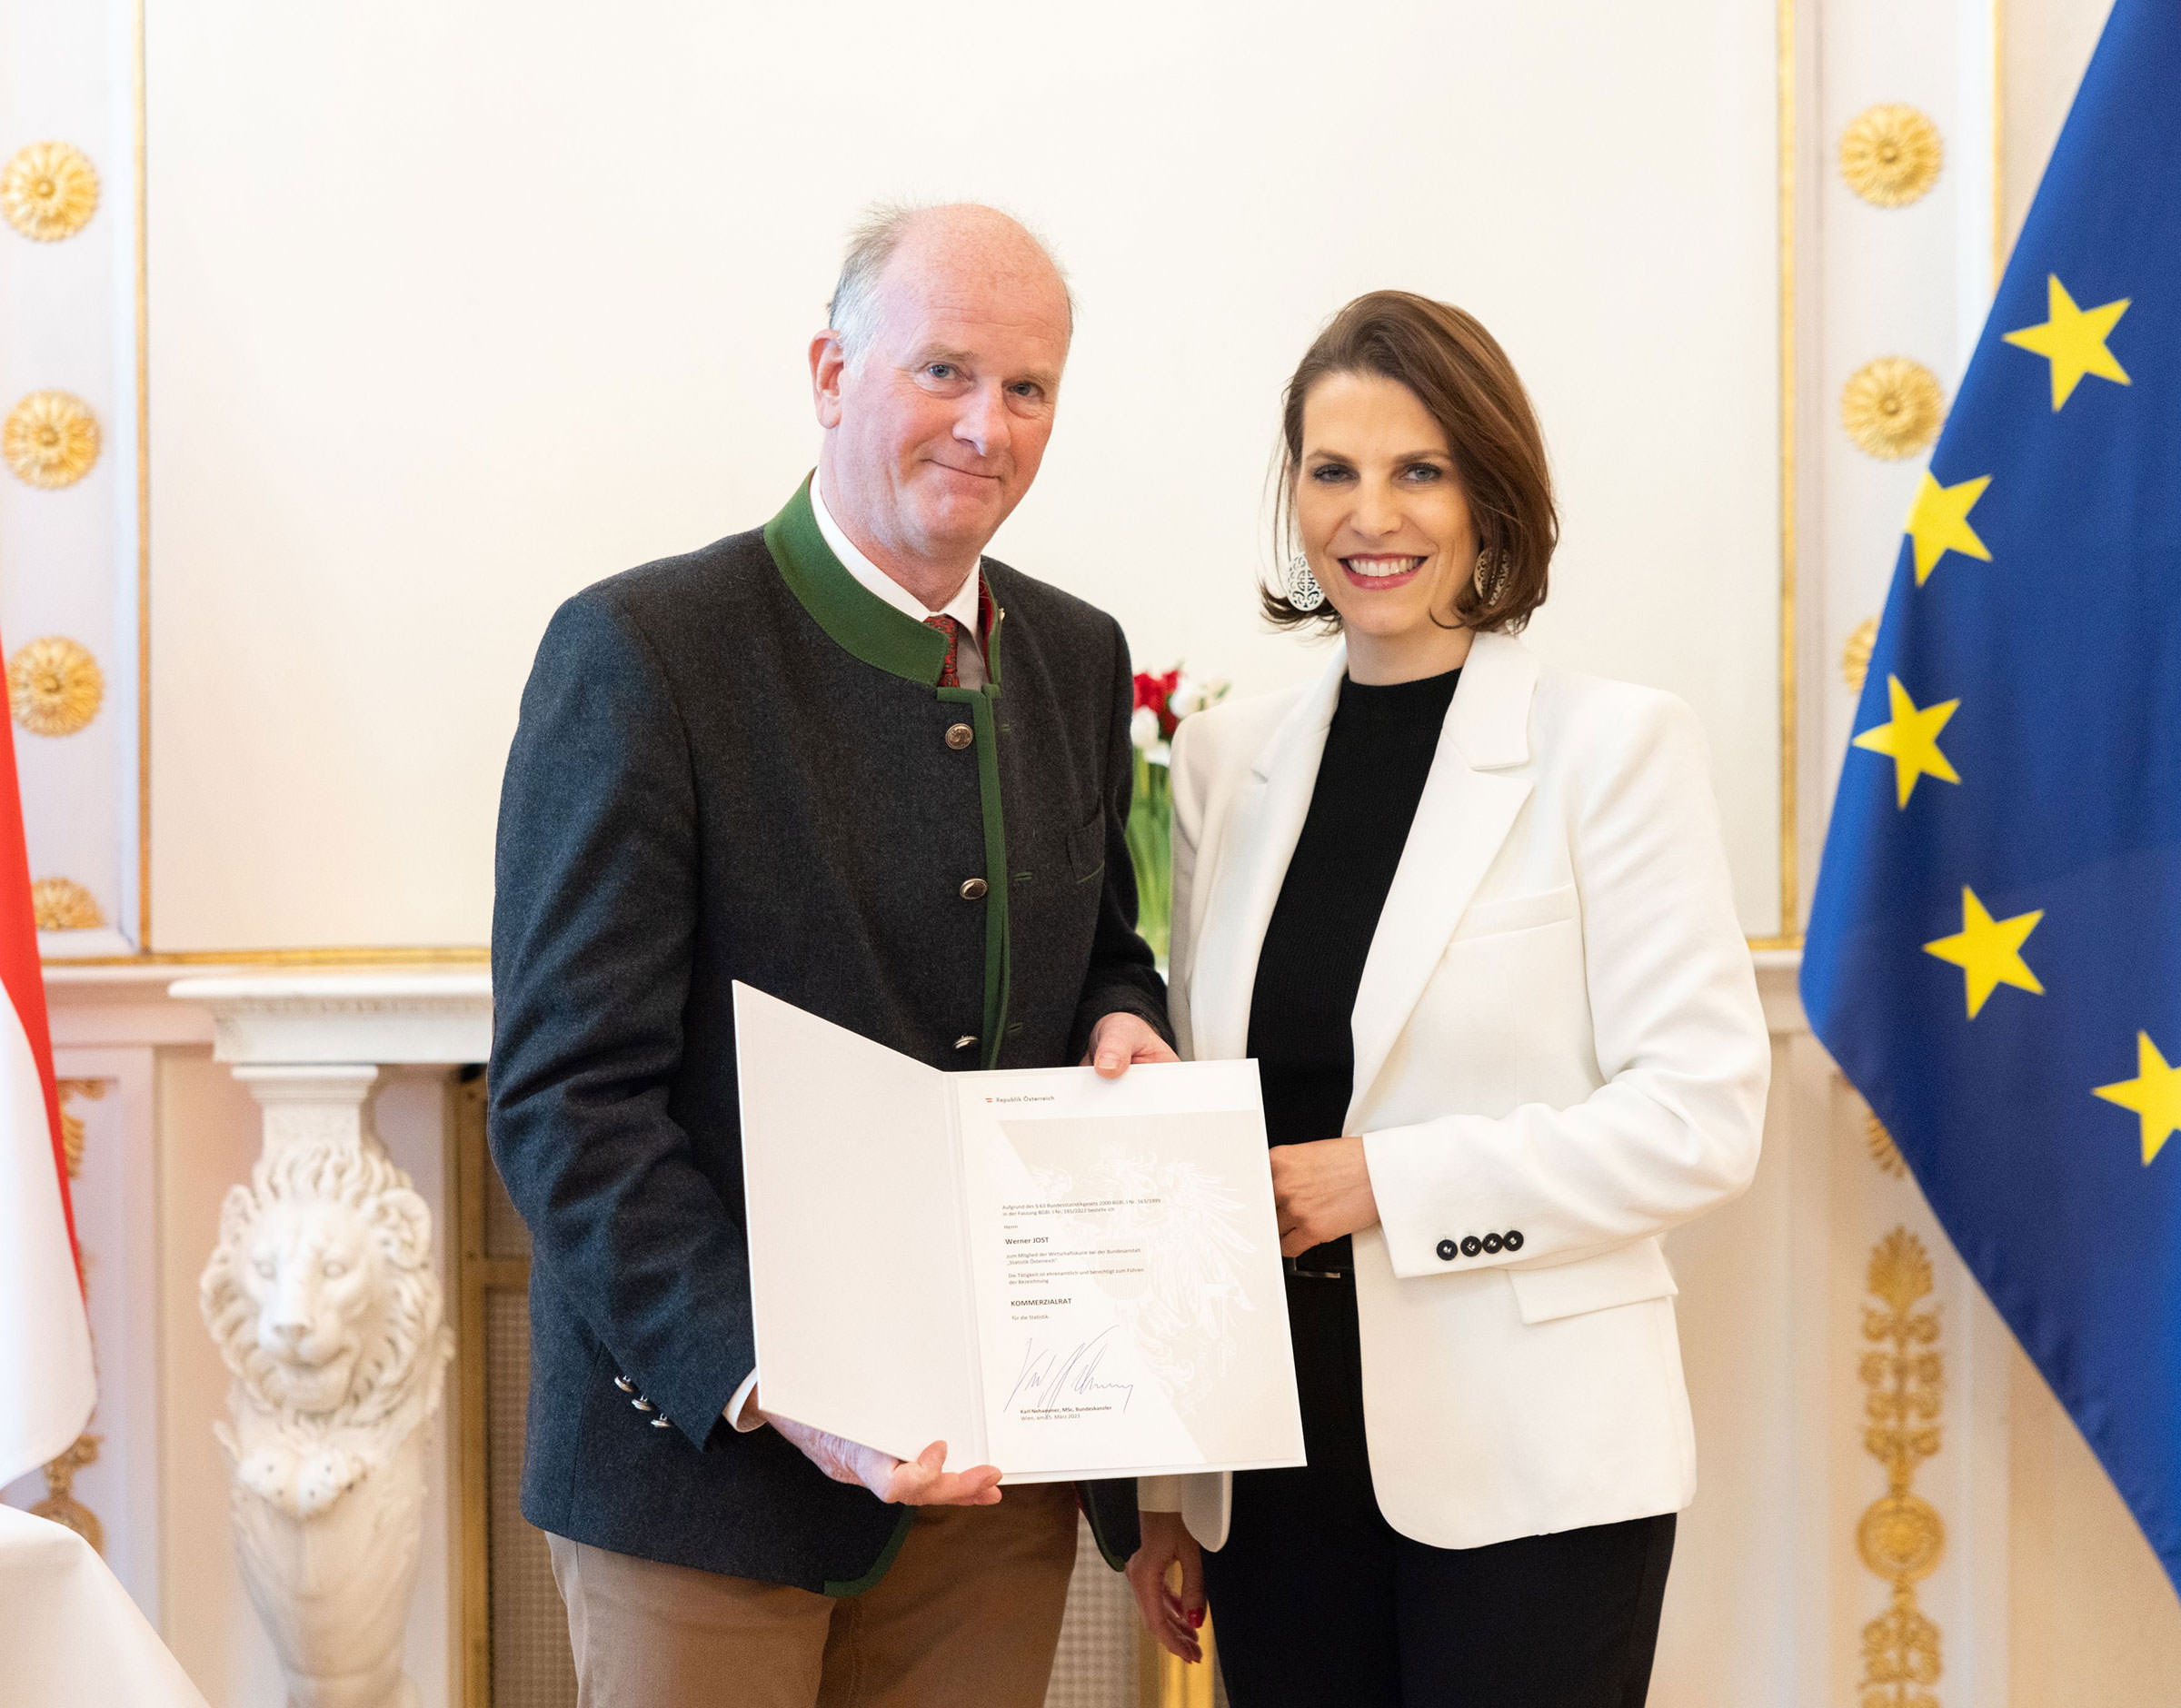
x: 842, y: 1587
x: 855, y: 617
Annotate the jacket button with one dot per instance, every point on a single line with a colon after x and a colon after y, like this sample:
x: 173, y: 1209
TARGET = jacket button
x: 967, y: 1040
x: 625, y: 1385
x: 1448, y: 1251
x: 642, y: 1405
x: 1492, y: 1242
x: 973, y: 888
x: 960, y: 735
x: 1471, y: 1246
x: 661, y: 1422
x: 1513, y: 1241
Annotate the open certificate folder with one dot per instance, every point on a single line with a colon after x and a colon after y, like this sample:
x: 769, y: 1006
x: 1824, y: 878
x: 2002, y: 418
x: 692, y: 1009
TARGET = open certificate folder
x: 1062, y: 1276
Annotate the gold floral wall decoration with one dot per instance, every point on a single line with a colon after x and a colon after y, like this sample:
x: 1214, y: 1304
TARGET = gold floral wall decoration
x: 1890, y: 155
x: 1855, y: 657
x: 1883, y: 1152
x: 1901, y: 1537
x: 72, y: 1124
x: 1892, y: 407
x: 50, y: 439
x: 60, y: 1505
x: 53, y: 686
x: 48, y: 191
x: 61, y: 904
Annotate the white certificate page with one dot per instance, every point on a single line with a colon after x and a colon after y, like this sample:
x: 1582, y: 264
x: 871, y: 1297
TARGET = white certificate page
x: 1124, y: 1257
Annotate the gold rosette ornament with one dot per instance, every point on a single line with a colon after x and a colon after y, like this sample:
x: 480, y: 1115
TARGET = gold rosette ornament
x: 1892, y: 407
x: 61, y: 904
x: 50, y: 439
x: 53, y: 686
x: 1855, y: 658
x: 1890, y: 155
x: 48, y: 191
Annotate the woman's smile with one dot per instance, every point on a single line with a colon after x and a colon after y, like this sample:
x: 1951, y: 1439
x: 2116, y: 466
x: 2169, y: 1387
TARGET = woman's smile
x: 1377, y: 571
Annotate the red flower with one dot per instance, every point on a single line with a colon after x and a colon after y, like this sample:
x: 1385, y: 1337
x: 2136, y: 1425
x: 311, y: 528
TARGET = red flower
x: 1157, y: 692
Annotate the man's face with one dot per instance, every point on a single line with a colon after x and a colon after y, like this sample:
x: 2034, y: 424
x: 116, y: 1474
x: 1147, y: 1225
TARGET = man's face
x: 938, y: 427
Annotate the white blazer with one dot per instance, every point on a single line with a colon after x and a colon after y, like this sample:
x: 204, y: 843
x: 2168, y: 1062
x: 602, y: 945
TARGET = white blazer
x: 1557, y: 1036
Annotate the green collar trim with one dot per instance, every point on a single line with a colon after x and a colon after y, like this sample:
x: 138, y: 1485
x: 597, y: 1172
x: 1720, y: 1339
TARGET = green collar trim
x: 856, y: 617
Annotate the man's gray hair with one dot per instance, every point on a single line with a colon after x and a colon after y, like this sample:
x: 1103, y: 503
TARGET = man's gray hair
x: 853, y: 312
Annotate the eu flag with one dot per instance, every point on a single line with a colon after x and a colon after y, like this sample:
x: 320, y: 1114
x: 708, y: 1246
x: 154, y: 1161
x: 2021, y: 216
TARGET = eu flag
x: 1993, y: 955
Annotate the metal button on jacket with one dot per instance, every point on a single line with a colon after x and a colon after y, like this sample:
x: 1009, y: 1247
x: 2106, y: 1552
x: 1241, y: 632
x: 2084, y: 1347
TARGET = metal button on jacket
x: 967, y: 1040
x: 1447, y: 1250
x: 960, y: 735
x: 973, y: 888
x: 625, y: 1385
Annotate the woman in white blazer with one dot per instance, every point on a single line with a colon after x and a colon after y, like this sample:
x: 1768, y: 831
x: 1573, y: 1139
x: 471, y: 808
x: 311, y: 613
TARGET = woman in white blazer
x: 1473, y: 917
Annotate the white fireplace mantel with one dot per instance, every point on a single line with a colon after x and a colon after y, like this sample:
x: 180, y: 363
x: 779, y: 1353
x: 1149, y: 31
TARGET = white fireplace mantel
x: 389, y: 1018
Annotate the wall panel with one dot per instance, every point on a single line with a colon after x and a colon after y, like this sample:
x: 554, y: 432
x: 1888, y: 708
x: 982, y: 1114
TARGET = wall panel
x: 456, y: 308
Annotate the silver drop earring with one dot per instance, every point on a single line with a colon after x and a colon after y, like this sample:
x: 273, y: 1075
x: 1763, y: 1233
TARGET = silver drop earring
x: 1303, y: 591
x: 1489, y: 577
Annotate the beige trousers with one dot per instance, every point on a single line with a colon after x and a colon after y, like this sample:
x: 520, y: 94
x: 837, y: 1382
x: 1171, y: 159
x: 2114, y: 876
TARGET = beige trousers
x: 968, y: 1617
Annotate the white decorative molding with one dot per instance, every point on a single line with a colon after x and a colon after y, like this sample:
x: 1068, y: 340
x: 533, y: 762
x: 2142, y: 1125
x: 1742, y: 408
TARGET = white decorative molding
x: 388, y: 1018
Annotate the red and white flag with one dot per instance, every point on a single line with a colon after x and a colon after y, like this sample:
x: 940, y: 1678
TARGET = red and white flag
x: 46, y: 1386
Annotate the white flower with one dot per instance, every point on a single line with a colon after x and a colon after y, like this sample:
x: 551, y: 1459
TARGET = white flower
x: 1143, y: 728
x: 1193, y: 694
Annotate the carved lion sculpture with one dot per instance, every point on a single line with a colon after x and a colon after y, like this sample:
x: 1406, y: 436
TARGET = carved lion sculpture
x: 321, y: 1299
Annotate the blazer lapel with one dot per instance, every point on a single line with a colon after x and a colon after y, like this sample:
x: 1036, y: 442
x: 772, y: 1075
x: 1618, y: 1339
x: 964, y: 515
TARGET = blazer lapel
x: 1242, y: 872
x: 1467, y: 809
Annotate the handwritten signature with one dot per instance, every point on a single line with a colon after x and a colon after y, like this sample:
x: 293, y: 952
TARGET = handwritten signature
x: 1051, y: 1379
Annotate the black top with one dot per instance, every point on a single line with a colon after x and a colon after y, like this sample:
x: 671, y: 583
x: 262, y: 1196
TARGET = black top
x: 1378, y: 755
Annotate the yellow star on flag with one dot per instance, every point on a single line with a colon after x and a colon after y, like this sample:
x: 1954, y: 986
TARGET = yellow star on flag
x: 2074, y: 340
x: 1988, y: 951
x: 2155, y: 1094
x: 1939, y: 522
x: 1911, y: 740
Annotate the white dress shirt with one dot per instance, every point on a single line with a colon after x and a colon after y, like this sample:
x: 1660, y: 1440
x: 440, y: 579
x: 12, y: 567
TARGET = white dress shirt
x: 968, y: 667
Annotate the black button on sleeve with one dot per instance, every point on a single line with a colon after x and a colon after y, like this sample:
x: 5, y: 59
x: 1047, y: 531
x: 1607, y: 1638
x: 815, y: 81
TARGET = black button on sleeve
x: 1447, y: 1250
x: 1514, y: 1239
x: 1471, y: 1246
x: 1492, y: 1242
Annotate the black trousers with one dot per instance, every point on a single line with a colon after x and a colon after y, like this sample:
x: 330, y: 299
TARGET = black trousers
x: 1317, y: 1602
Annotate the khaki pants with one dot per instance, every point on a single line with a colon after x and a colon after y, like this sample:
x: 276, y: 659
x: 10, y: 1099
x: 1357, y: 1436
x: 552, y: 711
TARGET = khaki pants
x: 968, y: 1617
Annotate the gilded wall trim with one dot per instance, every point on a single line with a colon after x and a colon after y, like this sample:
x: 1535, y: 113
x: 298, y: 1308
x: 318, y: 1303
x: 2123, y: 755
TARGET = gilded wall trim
x: 1900, y: 1536
x: 60, y: 1504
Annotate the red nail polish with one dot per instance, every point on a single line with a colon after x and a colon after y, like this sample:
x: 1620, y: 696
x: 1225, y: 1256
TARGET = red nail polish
x: 1196, y: 1617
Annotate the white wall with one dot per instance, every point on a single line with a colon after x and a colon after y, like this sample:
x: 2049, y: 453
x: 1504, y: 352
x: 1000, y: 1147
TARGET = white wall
x: 456, y: 308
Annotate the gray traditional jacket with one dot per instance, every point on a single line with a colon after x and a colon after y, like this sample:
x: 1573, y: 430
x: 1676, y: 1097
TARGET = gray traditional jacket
x: 738, y: 764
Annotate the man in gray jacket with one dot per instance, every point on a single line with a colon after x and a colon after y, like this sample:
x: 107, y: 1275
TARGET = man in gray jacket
x: 847, y: 759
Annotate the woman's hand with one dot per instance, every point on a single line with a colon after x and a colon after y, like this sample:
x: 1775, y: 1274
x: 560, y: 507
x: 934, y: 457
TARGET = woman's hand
x: 1173, y: 1620
x: 1321, y: 1190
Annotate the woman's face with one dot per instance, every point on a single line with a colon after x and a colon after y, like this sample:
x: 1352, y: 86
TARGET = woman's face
x: 1384, y: 524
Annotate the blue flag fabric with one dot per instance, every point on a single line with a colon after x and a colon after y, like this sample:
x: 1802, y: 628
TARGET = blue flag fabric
x: 1994, y: 953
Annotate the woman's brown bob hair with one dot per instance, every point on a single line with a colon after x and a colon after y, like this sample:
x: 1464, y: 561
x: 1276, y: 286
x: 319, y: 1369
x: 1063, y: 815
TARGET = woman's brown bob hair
x: 1467, y: 384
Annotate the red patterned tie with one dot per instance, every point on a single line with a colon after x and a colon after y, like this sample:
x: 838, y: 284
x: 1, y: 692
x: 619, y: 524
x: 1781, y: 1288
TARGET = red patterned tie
x: 948, y: 676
